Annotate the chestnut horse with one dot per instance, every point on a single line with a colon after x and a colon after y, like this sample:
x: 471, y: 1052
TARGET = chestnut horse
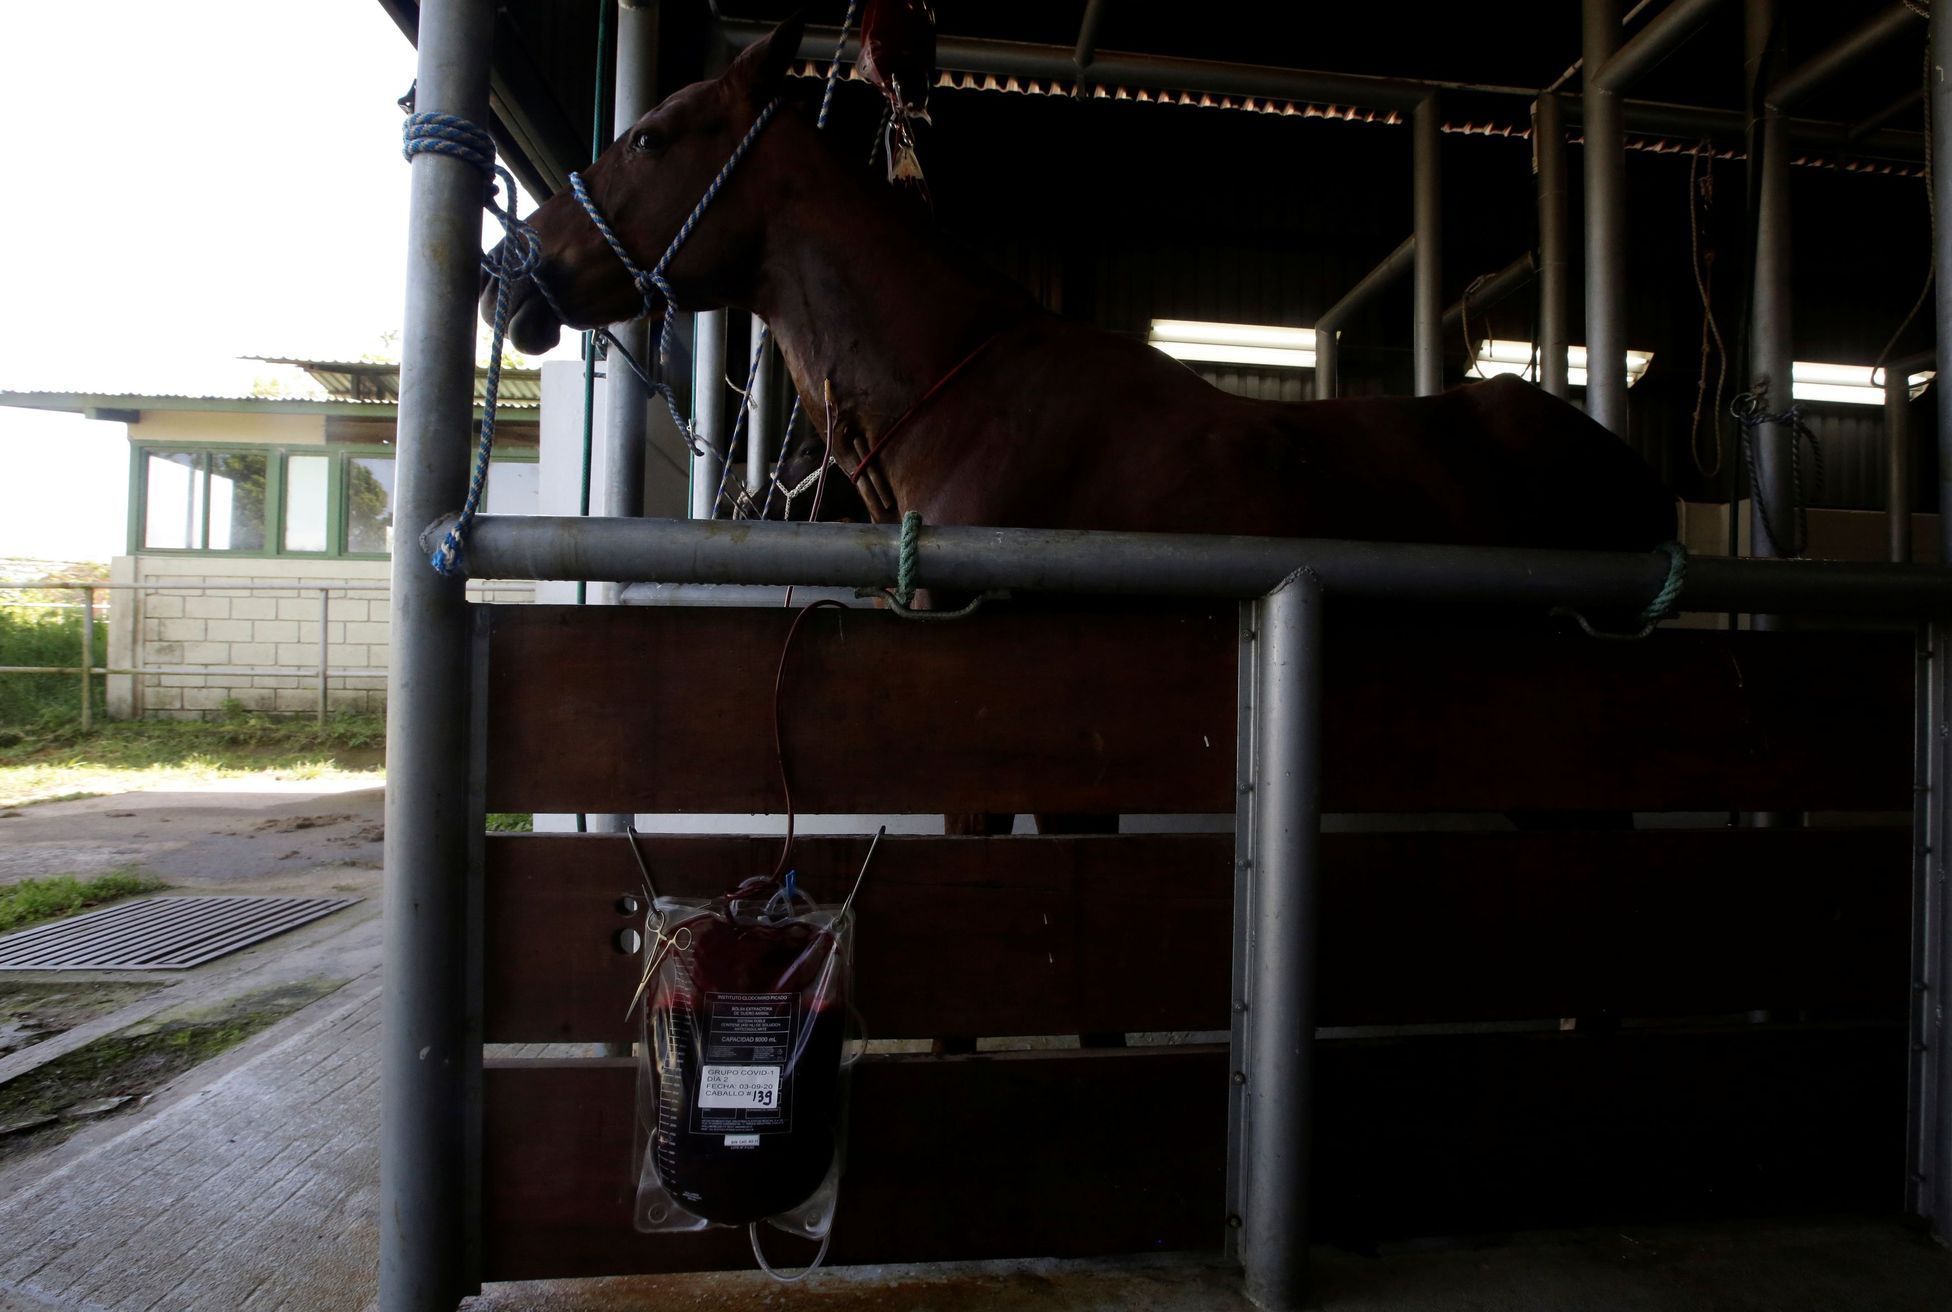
x: 1012, y: 417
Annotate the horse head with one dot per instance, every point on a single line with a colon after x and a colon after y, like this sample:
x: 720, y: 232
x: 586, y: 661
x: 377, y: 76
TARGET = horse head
x: 645, y: 185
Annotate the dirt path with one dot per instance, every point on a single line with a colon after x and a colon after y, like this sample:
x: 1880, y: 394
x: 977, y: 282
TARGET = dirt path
x: 243, y: 835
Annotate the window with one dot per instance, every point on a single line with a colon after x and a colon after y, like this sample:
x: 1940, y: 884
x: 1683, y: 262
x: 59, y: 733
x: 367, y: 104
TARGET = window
x: 369, y: 505
x: 312, y: 501
x: 308, y: 503
x: 204, y: 500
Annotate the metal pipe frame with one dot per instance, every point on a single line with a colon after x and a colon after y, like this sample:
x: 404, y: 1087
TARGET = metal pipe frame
x: 627, y: 415
x: 1215, y: 77
x: 1806, y: 77
x: 1427, y: 294
x: 1663, y: 32
x: 1772, y: 500
x: 1274, y: 1064
x: 1941, y: 109
x: 1174, y: 564
x: 1932, y: 1052
x: 1087, y: 47
x: 1606, y: 220
x: 1492, y: 290
x: 429, y: 1041
x: 88, y: 664
x: 1897, y: 450
x: 707, y: 409
x: 759, y: 423
x: 1328, y: 325
x: 1555, y: 262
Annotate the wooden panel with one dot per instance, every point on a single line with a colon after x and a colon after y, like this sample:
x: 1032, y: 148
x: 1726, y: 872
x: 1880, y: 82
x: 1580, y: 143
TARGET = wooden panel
x: 972, y: 936
x: 668, y: 709
x: 1078, y: 1153
x: 948, y: 1158
x: 671, y: 710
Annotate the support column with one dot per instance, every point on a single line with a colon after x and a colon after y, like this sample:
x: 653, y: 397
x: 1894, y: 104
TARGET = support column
x: 429, y: 1060
x: 1934, y: 905
x: 1427, y: 297
x: 1928, y: 1130
x: 760, y: 443
x: 1941, y: 108
x: 1276, y: 932
x: 1549, y: 163
x: 1772, y: 499
x: 707, y: 408
x: 1897, y: 456
x: 626, y: 432
x: 1606, y: 197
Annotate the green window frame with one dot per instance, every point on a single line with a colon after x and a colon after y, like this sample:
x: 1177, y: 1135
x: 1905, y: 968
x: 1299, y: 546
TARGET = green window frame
x: 339, y: 474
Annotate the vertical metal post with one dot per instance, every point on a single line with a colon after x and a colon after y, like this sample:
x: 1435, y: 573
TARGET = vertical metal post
x: 1941, y: 108
x: 87, y: 659
x: 1928, y: 1086
x: 1328, y: 362
x: 627, y: 414
x: 1549, y: 163
x: 325, y: 650
x: 1897, y: 460
x: 759, y: 424
x: 428, y: 1064
x: 707, y: 409
x: 1772, y: 504
x: 1427, y: 297
x: 1274, y: 1062
x: 1606, y: 221
x: 1934, y: 1058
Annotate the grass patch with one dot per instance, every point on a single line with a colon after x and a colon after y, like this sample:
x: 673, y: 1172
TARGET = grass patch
x: 44, y: 1106
x: 45, y: 634
x: 54, y: 896
x: 54, y: 759
x: 30, y: 1013
x: 511, y: 822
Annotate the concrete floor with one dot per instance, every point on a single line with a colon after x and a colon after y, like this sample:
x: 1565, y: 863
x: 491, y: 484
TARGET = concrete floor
x: 252, y: 1182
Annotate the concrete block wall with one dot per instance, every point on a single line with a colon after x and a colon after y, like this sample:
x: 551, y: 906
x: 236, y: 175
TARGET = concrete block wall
x: 247, y: 632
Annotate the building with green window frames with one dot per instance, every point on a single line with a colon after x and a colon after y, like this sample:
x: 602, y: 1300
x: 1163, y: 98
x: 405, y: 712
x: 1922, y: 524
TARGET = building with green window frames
x: 259, y: 525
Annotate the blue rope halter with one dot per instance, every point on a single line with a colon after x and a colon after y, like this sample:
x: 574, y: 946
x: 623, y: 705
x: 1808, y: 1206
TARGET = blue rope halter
x: 654, y: 284
x: 521, y: 251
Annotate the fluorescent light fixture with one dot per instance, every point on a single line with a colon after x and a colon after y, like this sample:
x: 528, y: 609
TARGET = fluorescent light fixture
x: 1496, y: 356
x: 1844, y: 384
x: 1262, y: 345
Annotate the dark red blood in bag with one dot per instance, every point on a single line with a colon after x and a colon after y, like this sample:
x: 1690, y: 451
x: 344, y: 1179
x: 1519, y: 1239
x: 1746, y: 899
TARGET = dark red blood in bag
x: 768, y: 995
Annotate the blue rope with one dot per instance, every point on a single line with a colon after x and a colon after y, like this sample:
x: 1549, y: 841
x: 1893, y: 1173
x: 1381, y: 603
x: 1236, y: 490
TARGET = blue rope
x: 445, y: 134
x: 655, y: 283
x: 833, y: 68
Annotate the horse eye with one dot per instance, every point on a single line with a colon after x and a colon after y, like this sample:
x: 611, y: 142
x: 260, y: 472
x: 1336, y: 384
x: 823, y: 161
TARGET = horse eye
x: 646, y: 141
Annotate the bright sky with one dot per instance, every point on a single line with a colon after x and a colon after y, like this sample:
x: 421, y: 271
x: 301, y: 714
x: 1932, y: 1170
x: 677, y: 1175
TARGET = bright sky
x: 187, y: 184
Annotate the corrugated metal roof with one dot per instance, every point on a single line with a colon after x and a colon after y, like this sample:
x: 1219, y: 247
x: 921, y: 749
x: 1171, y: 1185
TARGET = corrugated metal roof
x: 379, y: 380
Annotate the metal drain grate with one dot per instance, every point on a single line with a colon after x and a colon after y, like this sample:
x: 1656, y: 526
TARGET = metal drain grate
x: 160, y: 933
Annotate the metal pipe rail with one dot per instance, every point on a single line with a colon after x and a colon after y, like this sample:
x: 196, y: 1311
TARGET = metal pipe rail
x: 1174, y: 564
x: 1328, y: 324
x: 1897, y: 450
x: 1850, y: 48
x: 1215, y: 77
x: 1492, y: 290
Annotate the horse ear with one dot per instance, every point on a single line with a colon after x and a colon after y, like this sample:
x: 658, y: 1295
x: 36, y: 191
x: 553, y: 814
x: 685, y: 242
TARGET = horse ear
x: 761, y: 67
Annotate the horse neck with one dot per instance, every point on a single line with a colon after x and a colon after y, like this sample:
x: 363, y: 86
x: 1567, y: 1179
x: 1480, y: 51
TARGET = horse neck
x: 858, y: 297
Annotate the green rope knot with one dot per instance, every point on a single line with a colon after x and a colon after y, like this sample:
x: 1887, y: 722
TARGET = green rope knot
x: 1657, y: 610
x: 1677, y: 574
x: 911, y: 550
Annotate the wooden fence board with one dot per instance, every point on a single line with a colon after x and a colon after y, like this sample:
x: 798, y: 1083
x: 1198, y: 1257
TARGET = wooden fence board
x: 975, y: 936
x: 669, y: 709
x: 1070, y: 1154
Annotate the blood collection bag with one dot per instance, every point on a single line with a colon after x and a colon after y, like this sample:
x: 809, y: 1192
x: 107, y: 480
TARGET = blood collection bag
x: 741, y: 1088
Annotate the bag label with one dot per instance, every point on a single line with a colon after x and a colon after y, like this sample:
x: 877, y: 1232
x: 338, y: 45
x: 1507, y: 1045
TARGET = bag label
x: 745, y: 1079
x: 738, y: 1086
